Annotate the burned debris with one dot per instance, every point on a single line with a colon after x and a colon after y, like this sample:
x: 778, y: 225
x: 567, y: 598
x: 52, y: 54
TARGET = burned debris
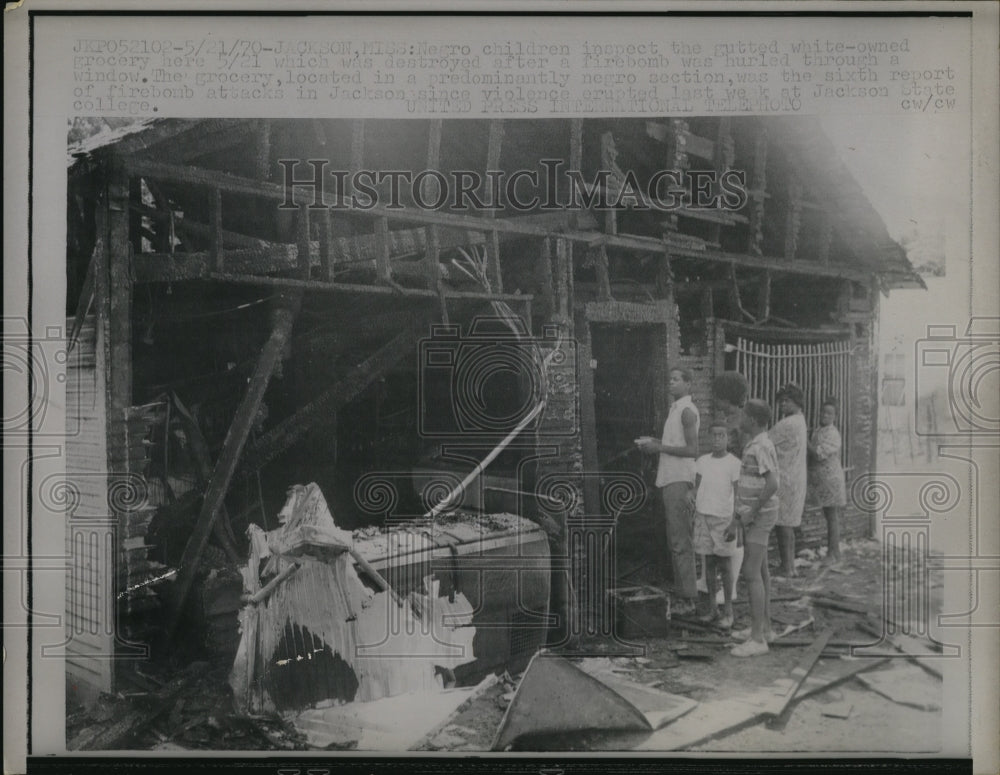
x: 382, y: 454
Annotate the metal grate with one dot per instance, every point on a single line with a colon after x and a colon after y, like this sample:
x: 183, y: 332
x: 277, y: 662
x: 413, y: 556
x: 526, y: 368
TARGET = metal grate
x: 821, y: 369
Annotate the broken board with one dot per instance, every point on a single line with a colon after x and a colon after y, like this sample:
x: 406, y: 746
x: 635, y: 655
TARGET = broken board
x: 905, y: 684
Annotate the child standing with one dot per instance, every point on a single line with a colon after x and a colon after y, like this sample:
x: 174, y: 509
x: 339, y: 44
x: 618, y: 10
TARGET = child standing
x: 716, y: 475
x: 826, y: 477
x: 757, y: 514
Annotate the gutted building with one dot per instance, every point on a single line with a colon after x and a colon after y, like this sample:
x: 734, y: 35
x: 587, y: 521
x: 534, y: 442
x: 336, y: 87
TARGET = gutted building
x: 239, y: 331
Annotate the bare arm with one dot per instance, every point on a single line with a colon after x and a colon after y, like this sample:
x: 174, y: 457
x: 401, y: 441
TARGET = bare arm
x: 690, y: 448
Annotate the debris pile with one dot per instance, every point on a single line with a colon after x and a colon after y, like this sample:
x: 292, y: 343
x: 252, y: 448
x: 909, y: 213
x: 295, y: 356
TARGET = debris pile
x: 313, y: 631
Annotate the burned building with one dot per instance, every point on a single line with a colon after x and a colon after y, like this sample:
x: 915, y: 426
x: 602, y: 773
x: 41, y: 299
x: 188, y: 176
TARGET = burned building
x: 236, y: 331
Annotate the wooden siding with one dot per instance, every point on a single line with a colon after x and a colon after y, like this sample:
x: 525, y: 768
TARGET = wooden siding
x: 90, y: 531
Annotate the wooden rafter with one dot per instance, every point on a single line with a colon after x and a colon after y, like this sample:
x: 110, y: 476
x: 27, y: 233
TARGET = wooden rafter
x: 228, y: 459
x: 677, y: 244
x: 320, y: 411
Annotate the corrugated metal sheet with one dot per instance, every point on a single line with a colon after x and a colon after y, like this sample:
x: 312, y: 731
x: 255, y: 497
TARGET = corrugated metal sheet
x: 90, y: 533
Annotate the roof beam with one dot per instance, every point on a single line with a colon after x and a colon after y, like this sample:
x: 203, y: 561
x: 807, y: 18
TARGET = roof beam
x: 678, y: 245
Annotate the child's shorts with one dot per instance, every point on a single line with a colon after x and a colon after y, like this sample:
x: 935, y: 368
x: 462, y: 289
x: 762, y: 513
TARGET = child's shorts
x: 759, y: 531
x: 709, y: 535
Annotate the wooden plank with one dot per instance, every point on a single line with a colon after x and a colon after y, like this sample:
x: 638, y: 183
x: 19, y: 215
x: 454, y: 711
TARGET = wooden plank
x: 916, y: 650
x: 225, y: 466
x: 320, y: 411
x: 715, y: 719
x: 215, y: 213
x: 776, y: 707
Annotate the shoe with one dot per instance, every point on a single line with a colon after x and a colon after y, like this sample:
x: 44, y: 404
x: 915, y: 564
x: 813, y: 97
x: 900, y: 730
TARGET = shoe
x: 709, y: 617
x: 744, y: 634
x: 725, y: 623
x: 749, y: 648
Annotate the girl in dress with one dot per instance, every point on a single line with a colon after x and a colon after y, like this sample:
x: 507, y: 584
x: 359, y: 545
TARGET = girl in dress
x: 790, y: 437
x: 826, y: 476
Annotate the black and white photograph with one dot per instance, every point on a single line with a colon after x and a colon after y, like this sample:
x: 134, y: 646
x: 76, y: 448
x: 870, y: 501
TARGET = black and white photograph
x: 541, y: 408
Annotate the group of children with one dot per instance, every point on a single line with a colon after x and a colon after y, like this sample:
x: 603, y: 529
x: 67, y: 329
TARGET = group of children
x: 736, y: 501
x: 735, y: 504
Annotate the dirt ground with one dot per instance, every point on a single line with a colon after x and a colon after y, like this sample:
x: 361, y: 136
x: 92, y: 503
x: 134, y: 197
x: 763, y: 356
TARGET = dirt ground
x: 190, y: 707
x: 706, y: 671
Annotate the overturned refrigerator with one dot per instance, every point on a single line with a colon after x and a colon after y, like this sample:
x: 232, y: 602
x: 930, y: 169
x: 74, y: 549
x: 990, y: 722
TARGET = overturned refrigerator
x: 332, y: 616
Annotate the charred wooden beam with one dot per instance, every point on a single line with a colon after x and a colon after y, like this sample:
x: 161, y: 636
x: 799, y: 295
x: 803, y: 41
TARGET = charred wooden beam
x: 86, y: 299
x: 262, y: 149
x: 215, y: 212
x: 793, y: 217
x: 197, y: 143
x: 194, y: 228
x: 600, y: 256
x: 758, y: 187
x: 306, y: 256
x: 383, y: 267
x: 493, y: 148
x: 825, y: 238
x: 563, y: 270
x: 316, y: 414
x: 764, y: 298
x: 118, y: 323
x: 357, y: 153
x: 432, y: 260
x: 543, y: 278
x: 325, y: 254
x: 226, y: 465
x: 522, y: 226
x: 382, y: 290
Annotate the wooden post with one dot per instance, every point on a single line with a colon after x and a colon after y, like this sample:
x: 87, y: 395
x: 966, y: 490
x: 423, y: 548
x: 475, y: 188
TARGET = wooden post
x: 325, y: 239
x: 793, y: 217
x: 383, y: 266
x: 543, y: 276
x: 494, y: 146
x: 357, y: 151
x: 262, y: 150
x: 600, y: 255
x: 562, y: 279
x: 118, y: 327
x: 215, y: 214
x: 764, y: 308
x: 302, y: 238
x: 758, y: 194
x: 432, y: 261
x: 236, y: 437
x: 825, y: 238
x: 725, y: 157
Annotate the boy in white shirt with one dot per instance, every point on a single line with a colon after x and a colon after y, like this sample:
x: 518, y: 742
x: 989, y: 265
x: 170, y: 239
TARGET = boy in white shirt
x: 716, y: 475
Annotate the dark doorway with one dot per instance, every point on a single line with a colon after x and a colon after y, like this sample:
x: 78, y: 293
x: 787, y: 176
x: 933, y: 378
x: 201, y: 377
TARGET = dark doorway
x: 624, y: 391
x: 628, y: 359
